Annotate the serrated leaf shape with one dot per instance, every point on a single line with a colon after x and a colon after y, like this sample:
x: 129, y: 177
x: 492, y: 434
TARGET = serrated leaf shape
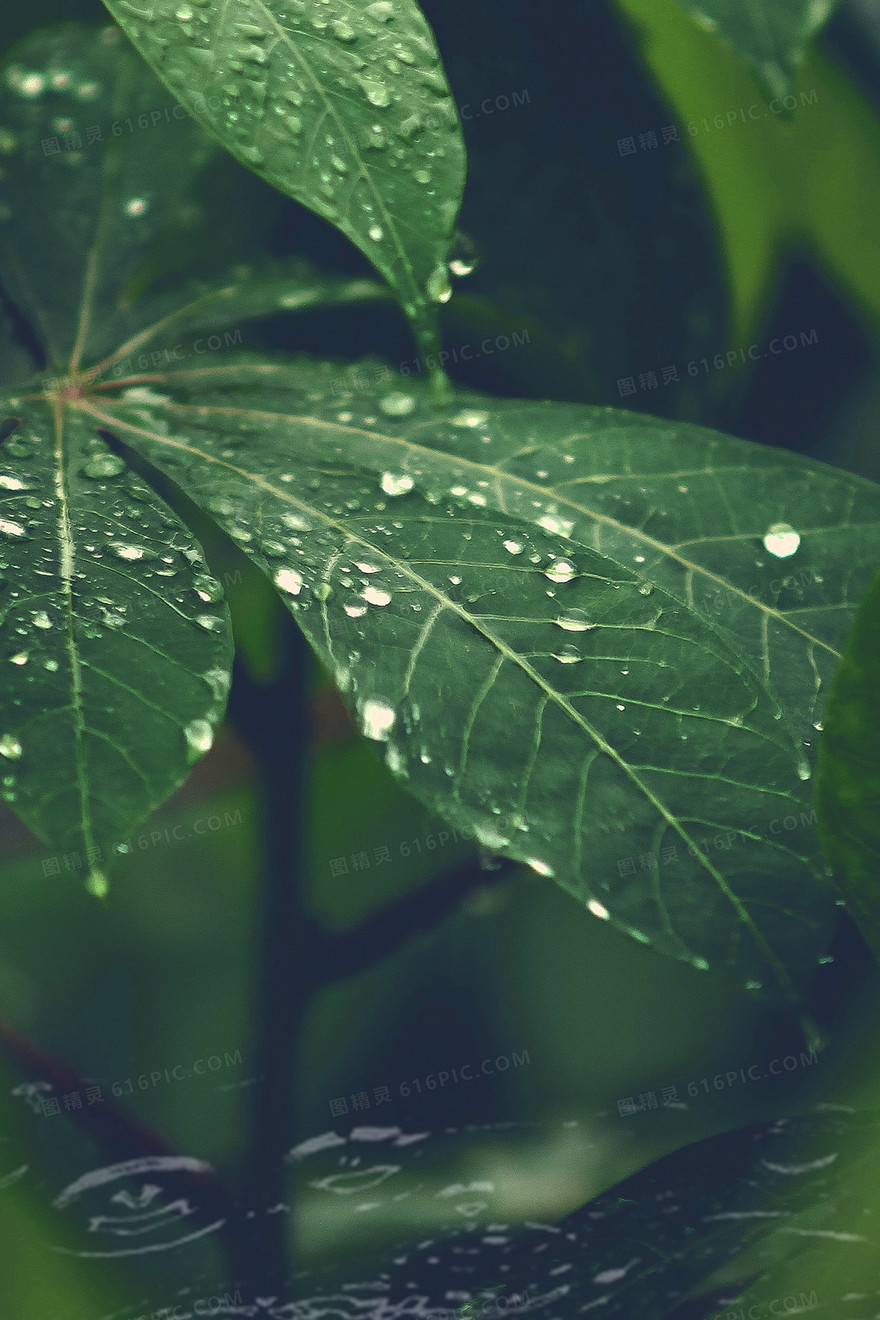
x: 571, y: 713
x: 343, y: 107
x: 96, y: 165
x: 770, y: 35
x: 116, y: 644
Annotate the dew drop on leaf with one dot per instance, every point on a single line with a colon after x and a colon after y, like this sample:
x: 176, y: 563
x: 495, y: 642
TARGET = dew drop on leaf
x: 561, y: 570
x: 10, y: 747
x: 397, y: 405
x: 574, y: 621
x: 199, y: 737
x: 393, y: 483
x: 289, y: 580
x: 377, y: 719
x: 781, y: 540
x: 598, y: 909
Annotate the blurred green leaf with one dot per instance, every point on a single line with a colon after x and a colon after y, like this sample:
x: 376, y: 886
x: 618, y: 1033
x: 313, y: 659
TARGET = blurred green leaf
x: 346, y: 110
x: 96, y: 169
x: 848, y: 772
x: 560, y: 703
x: 116, y: 643
x: 770, y: 35
x: 809, y: 181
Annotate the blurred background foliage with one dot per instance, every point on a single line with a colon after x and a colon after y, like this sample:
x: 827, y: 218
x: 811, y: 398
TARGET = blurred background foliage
x: 617, y: 266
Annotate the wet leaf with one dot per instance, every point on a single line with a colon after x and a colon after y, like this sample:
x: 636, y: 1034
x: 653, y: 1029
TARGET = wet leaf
x: 848, y: 776
x: 346, y: 110
x: 563, y: 705
x: 115, y: 646
x: 95, y: 168
x: 770, y: 35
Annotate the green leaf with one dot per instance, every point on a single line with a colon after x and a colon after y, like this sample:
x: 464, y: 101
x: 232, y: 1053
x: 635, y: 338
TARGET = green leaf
x: 282, y: 286
x: 78, y: 211
x: 770, y: 35
x: 116, y: 646
x: 848, y: 772
x: 346, y: 110
x: 564, y: 707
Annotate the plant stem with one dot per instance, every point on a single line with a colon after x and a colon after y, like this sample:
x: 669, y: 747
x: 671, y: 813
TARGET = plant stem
x: 273, y: 718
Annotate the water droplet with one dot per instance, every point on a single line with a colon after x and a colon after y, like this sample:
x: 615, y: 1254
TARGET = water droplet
x: 42, y: 620
x: 568, y: 655
x: 514, y: 547
x: 438, y: 287
x: 558, y: 526
x: 208, y: 588
x: 381, y: 10
x: 377, y: 719
x: 574, y: 621
x: 103, y: 465
x: 374, y: 596
x: 218, y: 681
x: 354, y: 611
x: 96, y: 883
x: 781, y: 540
x: 537, y: 865
x: 199, y: 737
x: 10, y: 528
x: 818, y: 725
x: 295, y: 522
x: 376, y: 232
x: 183, y: 13
x: 209, y: 622
x: 129, y: 552
x: 10, y: 747
x: 376, y: 92
x: 804, y: 771
x: 392, y: 483
x: 646, y: 589
x: 365, y: 567
x: 343, y: 30
x: 598, y: 909
x: 470, y: 417
x: 21, y: 658
x: 465, y: 257
x: 136, y: 206
x: 289, y: 580
x: 561, y: 570
x: 397, y: 405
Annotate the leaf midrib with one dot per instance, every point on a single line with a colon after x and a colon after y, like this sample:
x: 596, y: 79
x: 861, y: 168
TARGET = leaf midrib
x: 445, y: 602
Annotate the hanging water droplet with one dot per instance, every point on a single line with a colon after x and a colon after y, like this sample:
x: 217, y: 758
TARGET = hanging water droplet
x: 377, y: 719
x: 465, y: 257
x: 598, y: 909
x: 199, y: 737
x: 392, y: 483
x: 397, y: 405
x: 575, y: 621
x: 781, y: 540
x: 10, y: 747
x: 438, y: 287
x: 289, y: 580
x: 561, y: 570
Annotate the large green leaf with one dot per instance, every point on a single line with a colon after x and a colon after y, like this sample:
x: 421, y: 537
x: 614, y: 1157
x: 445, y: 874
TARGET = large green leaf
x: 80, y: 203
x: 564, y: 706
x: 343, y: 107
x: 690, y: 510
x: 771, y: 35
x: 848, y: 774
x: 116, y: 646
